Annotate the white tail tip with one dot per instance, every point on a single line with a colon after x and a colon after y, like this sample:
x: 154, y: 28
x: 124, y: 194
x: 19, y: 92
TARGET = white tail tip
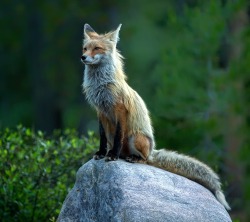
x: 221, y: 198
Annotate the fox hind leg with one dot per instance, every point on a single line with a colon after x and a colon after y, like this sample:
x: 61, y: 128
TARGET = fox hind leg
x: 139, y: 148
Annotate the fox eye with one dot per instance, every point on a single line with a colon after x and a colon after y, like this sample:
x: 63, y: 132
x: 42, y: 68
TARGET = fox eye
x: 97, y: 48
x: 85, y: 49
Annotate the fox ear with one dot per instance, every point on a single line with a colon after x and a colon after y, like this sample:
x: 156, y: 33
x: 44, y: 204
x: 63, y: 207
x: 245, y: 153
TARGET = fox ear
x: 88, y: 31
x: 114, y: 36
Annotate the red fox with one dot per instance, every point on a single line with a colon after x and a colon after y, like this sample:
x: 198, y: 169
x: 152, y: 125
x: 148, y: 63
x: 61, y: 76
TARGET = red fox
x: 124, y: 123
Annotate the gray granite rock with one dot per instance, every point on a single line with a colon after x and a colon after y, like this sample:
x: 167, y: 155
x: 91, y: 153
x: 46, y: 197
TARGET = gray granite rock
x: 119, y: 191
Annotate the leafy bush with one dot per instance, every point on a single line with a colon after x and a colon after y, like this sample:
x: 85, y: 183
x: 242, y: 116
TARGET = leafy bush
x: 38, y: 171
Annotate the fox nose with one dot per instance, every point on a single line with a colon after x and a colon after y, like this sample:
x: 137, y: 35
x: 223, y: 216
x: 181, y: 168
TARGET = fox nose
x: 83, y: 57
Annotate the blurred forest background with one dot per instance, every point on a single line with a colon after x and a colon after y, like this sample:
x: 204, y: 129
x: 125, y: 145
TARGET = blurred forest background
x: 188, y: 59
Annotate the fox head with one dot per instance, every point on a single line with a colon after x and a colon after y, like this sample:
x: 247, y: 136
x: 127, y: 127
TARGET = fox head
x: 98, y: 48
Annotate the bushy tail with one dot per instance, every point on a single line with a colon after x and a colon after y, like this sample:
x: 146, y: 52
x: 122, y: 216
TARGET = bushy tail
x: 191, y: 168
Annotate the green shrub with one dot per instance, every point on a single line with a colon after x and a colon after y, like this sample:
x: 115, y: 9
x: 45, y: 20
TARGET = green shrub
x: 38, y: 171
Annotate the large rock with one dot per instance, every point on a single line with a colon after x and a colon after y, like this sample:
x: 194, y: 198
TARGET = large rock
x: 120, y: 191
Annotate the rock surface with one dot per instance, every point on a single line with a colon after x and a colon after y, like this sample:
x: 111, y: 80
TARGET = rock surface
x: 119, y: 191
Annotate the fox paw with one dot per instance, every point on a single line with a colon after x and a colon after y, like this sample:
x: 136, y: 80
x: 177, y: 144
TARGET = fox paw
x: 134, y: 159
x: 111, y: 156
x: 98, y: 155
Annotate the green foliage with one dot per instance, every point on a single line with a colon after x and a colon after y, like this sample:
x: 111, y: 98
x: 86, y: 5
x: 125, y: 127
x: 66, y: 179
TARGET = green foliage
x: 37, y: 171
x: 188, y: 118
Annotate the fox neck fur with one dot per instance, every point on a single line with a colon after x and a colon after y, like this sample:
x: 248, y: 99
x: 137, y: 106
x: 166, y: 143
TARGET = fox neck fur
x: 103, y: 83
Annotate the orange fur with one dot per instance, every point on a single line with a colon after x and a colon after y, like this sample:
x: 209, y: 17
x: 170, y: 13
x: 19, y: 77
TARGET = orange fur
x: 142, y: 144
x: 120, y: 114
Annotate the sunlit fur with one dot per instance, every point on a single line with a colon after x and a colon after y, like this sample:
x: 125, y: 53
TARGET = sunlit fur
x: 107, y: 91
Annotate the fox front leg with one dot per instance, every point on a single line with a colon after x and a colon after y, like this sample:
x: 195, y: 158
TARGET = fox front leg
x: 103, y: 143
x: 115, y: 152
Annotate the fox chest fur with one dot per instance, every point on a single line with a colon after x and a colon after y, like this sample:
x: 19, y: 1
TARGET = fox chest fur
x: 98, y: 85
